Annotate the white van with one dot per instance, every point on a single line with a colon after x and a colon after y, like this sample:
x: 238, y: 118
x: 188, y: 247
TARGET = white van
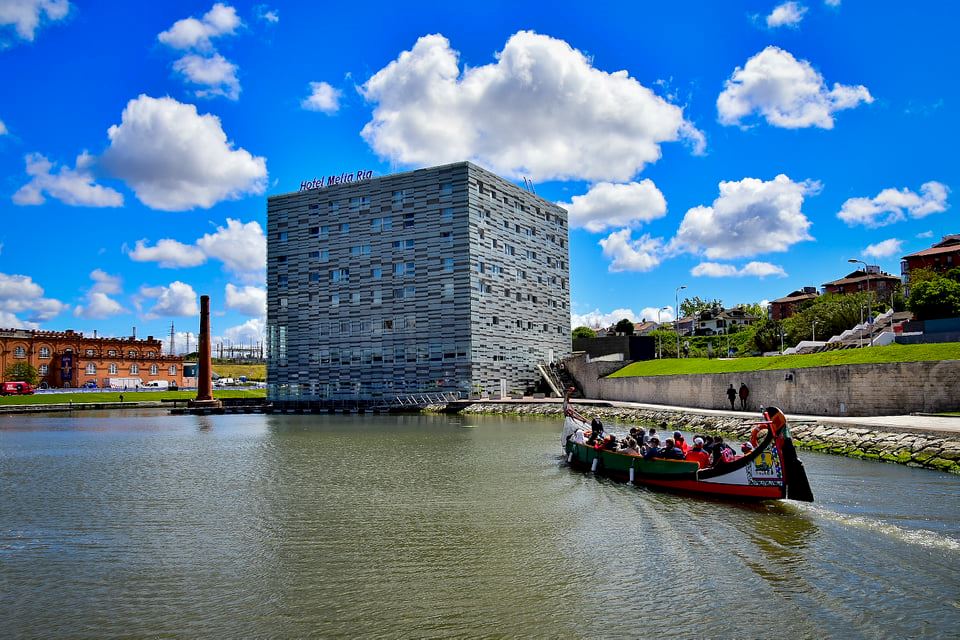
x: 157, y: 384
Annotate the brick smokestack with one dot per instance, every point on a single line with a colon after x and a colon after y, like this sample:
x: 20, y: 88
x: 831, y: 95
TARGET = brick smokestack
x: 205, y: 378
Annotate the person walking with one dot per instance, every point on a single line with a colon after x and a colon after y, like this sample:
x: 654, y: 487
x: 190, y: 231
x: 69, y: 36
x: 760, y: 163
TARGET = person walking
x: 744, y: 394
x: 732, y: 397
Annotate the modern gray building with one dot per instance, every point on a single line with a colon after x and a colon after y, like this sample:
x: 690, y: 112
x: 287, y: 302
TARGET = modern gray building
x: 436, y: 280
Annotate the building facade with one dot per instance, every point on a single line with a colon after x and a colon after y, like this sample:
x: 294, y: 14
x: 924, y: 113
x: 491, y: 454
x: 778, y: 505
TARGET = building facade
x: 941, y: 257
x: 883, y: 284
x: 68, y: 359
x: 783, y: 308
x: 441, y: 279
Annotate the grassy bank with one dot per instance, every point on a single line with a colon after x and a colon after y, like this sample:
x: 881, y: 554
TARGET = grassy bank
x: 869, y: 355
x: 256, y: 372
x: 129, y: 396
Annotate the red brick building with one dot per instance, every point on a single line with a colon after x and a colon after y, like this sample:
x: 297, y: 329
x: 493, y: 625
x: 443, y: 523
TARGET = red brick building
x: 67, y: 359
x: 783, y: 308
x: 883, y: 284
x: 941, y: 257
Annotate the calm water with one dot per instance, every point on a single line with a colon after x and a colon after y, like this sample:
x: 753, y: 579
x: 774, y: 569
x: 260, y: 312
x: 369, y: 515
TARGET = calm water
x: 419, y: 527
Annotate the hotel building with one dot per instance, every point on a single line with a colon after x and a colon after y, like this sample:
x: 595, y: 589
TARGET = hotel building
x: 447, y: 279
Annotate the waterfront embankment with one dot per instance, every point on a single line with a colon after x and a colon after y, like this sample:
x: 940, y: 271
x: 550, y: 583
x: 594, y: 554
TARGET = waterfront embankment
x: 917, y: 441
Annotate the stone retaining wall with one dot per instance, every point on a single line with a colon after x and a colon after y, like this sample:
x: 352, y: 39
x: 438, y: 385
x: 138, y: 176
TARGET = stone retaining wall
x: 895, y: 388
x: 915, y: 450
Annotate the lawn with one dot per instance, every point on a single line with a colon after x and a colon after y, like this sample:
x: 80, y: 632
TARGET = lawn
x: 868, y: 355
x: 252, y: 371
x: 129, y: 396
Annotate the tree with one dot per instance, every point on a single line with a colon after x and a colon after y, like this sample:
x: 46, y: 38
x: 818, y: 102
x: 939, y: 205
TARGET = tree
x: 21, y: 372
x: 935, y: 298
x: 696, y: 304
x: 584, y: 332
x: 766, y: 335
x: 754, y: 309
x: 625, y: 327
x: 833, y: 313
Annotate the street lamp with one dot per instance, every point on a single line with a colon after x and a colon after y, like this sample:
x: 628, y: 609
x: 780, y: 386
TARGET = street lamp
x: 866, y: 269
x: 813, y: 331
x: 782, y: 332
x: 676, y: 323
x: 659, y: 338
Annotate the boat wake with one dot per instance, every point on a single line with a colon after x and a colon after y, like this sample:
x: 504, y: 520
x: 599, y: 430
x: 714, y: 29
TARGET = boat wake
x: 921, y: 537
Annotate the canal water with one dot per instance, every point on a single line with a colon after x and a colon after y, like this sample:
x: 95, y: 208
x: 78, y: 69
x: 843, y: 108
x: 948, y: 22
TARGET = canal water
x: 154, y: 526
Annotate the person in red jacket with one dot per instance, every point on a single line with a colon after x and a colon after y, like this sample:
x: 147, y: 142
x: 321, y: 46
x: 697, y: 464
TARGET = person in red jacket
x: 697, y: 454
x: 680, y: 442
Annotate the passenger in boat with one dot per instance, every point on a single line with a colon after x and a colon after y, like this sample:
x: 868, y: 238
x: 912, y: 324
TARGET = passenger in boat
x: 670, y: 451
x: 579, y: 436
x: 651, y: 435
x: 745, y: 449
x: 652, y: 448
x: 697, y: 454
x: 721, y: 452
x: 610, y: 442
x: 680, y: 442
x: 708, y: 444
x: 631, y: 448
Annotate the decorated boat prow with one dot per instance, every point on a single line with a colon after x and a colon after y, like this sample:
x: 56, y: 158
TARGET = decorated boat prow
x: 771, y: 471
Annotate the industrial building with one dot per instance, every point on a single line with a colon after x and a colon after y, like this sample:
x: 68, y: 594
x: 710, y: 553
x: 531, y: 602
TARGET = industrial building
x: 446, y: 279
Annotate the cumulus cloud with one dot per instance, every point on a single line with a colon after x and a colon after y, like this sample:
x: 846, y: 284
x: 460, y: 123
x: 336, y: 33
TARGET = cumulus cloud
x: 216, y: 74
x: 542, y: 109
x: 788, y: 14
x: 323, y: 97
x: 103, y: 282
x: 75, y: 187
x: 99, y: 304
x: 892, y: 205
x: 22, y: 303
x: 756, y: 269
x: 191, y: 33
x: 884, y: 249
x: 608, y: 205
x: 248, y: 300
x: 627, y: 254
x: 925, y: 234
x: 250, y: 332
x: 599, y: 319
x: 786, y: 92
x: 241, y: 247
x: 750, y: 217
x: 25, y: 16
x: 176, y: 159
x: 178, y: 299
x: 265, y: 13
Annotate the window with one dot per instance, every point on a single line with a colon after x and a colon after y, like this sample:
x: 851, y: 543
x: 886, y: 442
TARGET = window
x: 355, y: 297
x: 448, y: 265
x: 112, y: 353
x: 360, y: 250
x: 19, y: 352
x: 282, y: 236
x: 324, y: 231
x: 494, y: 320
x: 446, y: 237
x: 91, y: 369
x: 88, y: 352
x: 388, y: 325
x: 408, y: 220
x: 154, y: 369
x: 314, y: 277
x: 376, y: 273
x: 320, y: 256
x: 381, y: 224
x: 377, y: 297
x: 401, y: 293
x: 399, y: 197
x: 521, y: 275
x: 496, y: 269
x: 334, y: 299
x: 508, y: 249
x: 404, y: 269
x: 344, y: 227
x: 43, y: 369
x: 172, y: 370
x: 314, y: 232
x: 403, y: 244
x: 447, y: 290
x: 112, y: 368
x: 134, y: 369
x: 340, y: 275
x: 131, y: 354
x: 446, y: 214
x: 45, y: 352
x: 359, y: 202
x: 334, y: 206
x: 282, y: 280
x: 446, y: 188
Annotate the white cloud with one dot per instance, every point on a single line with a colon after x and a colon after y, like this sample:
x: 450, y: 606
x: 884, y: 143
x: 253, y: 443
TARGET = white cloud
x: 99, y: 304
x: 607, y: 205
x: 249, y: 300
x: 241, y: 247
x: 216, y: 73
x: 788, y: 14
x: 75, y: 187
x: 178, y: 299
x: 626, y: 254
x: 786, y: 92
x: 925, y: 234
x: 265, y: 13
x: 3, y: 129
x: 599, y: 319
x: 884, y: 249
x: 892, y: 205
x: 170, y: 254
x: 21, y: 296
x: 750, y: 217
x: 25, y: 15
x: 175, y: 159
x: 323, y: 97
x: 541, y: 110
x: 756, y: 269
x: 191, y: 33
x: 249, y: 333
x: 103, y: 282
x: 832, y: 3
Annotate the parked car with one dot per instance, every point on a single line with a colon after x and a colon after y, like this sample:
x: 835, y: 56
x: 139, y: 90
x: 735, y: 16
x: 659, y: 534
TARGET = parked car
x: 90, y: 384
x: 16, y: 389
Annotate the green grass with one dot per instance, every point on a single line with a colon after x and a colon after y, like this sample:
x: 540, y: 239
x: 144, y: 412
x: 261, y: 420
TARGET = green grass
x: 129, y: 396
x: 252, y: 371
x: 868, y: 355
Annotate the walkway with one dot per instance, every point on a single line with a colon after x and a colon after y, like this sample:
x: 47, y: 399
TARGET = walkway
x: 904, y: 423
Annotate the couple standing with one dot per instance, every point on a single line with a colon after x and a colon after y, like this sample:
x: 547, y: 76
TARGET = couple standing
x: 732, y: 394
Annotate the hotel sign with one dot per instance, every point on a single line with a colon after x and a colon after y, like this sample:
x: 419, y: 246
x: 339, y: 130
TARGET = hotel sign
x: 329, y: 181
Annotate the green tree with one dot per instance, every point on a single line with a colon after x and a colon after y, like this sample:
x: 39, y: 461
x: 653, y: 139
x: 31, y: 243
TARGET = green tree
x: 833, y: 313
x: 766, y: 335
x: 584, y: 332
x: 754, y: 309
x: 21, y: 372
x: 935, y: 298
x: 696, y: 304
x: 625, y: 327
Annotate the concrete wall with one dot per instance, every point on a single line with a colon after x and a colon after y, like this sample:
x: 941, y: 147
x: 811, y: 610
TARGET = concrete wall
x: 847, y: 390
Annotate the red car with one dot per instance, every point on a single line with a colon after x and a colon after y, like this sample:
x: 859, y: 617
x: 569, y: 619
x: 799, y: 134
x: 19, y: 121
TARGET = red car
x: 16, y: 389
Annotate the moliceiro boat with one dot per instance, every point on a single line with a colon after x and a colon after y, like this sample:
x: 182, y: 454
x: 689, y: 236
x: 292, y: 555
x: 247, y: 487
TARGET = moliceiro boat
x: 771, y: 471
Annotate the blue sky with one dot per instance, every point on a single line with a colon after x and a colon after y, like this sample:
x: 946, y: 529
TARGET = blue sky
x: 138, y: 147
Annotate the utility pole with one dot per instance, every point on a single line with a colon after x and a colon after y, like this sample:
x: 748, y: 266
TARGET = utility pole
x: 676, y: 324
